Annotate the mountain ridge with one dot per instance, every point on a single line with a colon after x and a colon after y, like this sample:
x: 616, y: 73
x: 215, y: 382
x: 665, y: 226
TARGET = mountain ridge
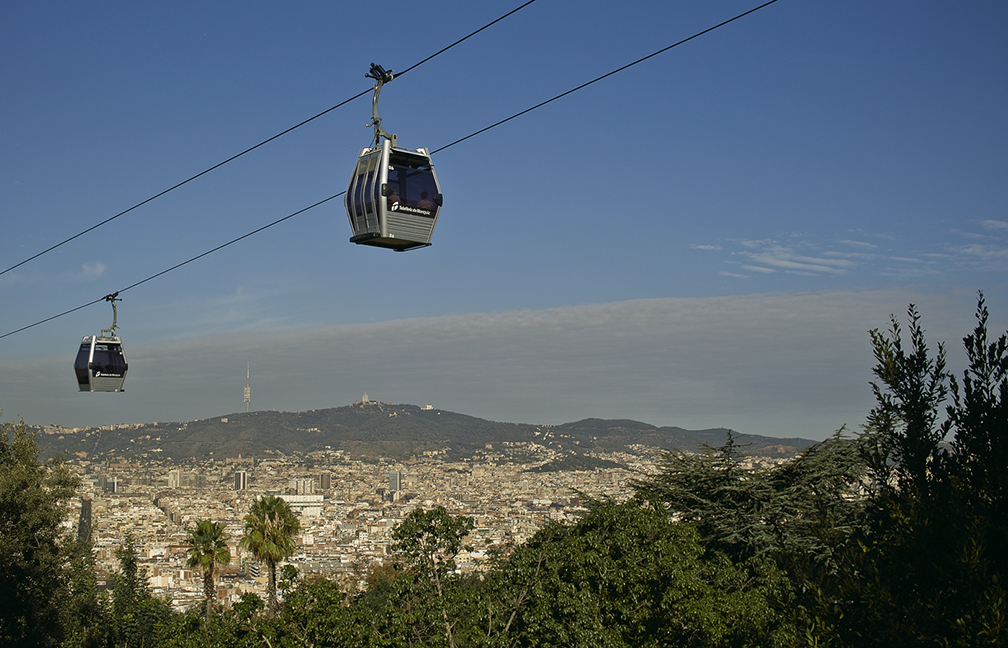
x: 371, y: 430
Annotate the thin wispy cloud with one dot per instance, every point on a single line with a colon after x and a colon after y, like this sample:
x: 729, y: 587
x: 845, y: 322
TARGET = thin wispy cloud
x: 759, y: 269
x: 772, y: 255
x: 801, y: 255
x: 859, y: 244
x: 90, y: 271
x: 849, y: 255
x: 984, y: 253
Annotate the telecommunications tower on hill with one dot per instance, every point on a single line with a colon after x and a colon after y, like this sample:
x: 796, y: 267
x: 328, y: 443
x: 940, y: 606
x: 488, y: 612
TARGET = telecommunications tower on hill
x: 248, y: 389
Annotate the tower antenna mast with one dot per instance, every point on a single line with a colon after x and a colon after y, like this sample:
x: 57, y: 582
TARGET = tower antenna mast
x: 248, y: 389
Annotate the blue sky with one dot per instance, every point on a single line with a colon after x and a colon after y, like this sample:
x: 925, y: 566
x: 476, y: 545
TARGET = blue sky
x: 701, y: 240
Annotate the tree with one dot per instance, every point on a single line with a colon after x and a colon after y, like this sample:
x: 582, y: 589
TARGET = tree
x: 238, y: 627
x: 34, y: 563
x: 806, y: 506
x: 804, y: 515
x: 630, y: 576
x: 208, y: 551
x: 978, y: 416
x: 904, y: 423
x: 85, y: 618
x: 430, y: 541
x: 933, y: 565
x: 270, y: 527
x: 135, y: 611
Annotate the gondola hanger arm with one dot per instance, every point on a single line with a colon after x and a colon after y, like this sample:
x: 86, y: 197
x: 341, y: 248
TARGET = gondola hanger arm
x: 112, y: 299
x: 381, y: 76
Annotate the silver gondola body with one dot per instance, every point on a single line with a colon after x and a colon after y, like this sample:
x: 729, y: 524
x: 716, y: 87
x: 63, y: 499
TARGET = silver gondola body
x: 101, y: 364
x: 393, y: 199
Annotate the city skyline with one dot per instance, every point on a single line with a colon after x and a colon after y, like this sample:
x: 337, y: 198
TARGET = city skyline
x: 345, y: 525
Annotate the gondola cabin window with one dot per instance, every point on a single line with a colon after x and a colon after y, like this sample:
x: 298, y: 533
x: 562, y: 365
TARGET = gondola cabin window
x: 411, y: 189
x: 81, y: 365
x: 108, y: 359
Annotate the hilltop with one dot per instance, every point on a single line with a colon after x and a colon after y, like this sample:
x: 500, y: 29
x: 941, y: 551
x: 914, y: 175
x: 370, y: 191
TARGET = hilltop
x: 370, y: 430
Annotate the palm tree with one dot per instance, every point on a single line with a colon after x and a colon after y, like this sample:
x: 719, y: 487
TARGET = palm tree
x: 270, y: 527
x: 208, y: 551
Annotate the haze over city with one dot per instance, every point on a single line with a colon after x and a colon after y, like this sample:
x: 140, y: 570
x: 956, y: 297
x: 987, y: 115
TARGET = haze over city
x: 701, y: 240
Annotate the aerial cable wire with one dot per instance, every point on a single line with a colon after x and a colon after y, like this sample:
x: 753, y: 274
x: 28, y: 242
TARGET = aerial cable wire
x: 262, y: 143
x: 471, y: 135
x: 604, y: 76
x: 179, y: 265
x: 172, y: 188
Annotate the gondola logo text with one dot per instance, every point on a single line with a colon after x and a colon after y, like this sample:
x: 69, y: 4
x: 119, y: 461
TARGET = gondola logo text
x: 411, y: 210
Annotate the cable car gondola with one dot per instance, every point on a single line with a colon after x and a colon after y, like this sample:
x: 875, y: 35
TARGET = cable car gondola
x: 101, y: 362
x: 393, y: 198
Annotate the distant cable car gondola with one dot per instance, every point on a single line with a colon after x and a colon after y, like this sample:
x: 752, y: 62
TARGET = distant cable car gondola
x: 393, y: 198
x: 101, y: 363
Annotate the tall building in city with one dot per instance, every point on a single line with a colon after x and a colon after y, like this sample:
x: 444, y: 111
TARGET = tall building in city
x: 174, y: 478
x: 395, y: 480
x: 241, y: 480
x: 325, y: 481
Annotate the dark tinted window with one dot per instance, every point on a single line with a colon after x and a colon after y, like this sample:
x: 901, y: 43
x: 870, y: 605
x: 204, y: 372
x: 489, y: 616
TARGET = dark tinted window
x: 109, y: 358
x: 358, y: 193
x: 369, y: 192
x: 80, y: 364
x: 412, y: 181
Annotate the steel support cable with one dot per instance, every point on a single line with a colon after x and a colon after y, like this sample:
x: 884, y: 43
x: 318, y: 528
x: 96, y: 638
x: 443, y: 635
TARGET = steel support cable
x: 605, y: 76
x: 262, y: 143
x: 483, y: 130
x: 179, y: 265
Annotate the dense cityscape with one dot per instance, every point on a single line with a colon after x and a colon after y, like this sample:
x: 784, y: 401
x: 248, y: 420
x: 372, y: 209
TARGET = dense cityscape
x: 347, y: 508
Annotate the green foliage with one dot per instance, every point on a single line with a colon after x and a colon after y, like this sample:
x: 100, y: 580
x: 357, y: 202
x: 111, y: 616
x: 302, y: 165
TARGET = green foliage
x: 903, y: 425
x: 817, y: 506
x: 575, y: 462
x: 805, y: 507
x: 429, y: 541
x: 34, y: 552
x: 804, y: 515
x: 135, y: 613
x: 727, y: 502
x: 978, y: 416
x: 623, y: 576
x: 320, y: 613
x: 289, y: 578
x: 933, y: 564
x: 85, y: 621
x: 208, y: 551
x: 270, y: 527
x: 240, y: 627
x: 626, y: 576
